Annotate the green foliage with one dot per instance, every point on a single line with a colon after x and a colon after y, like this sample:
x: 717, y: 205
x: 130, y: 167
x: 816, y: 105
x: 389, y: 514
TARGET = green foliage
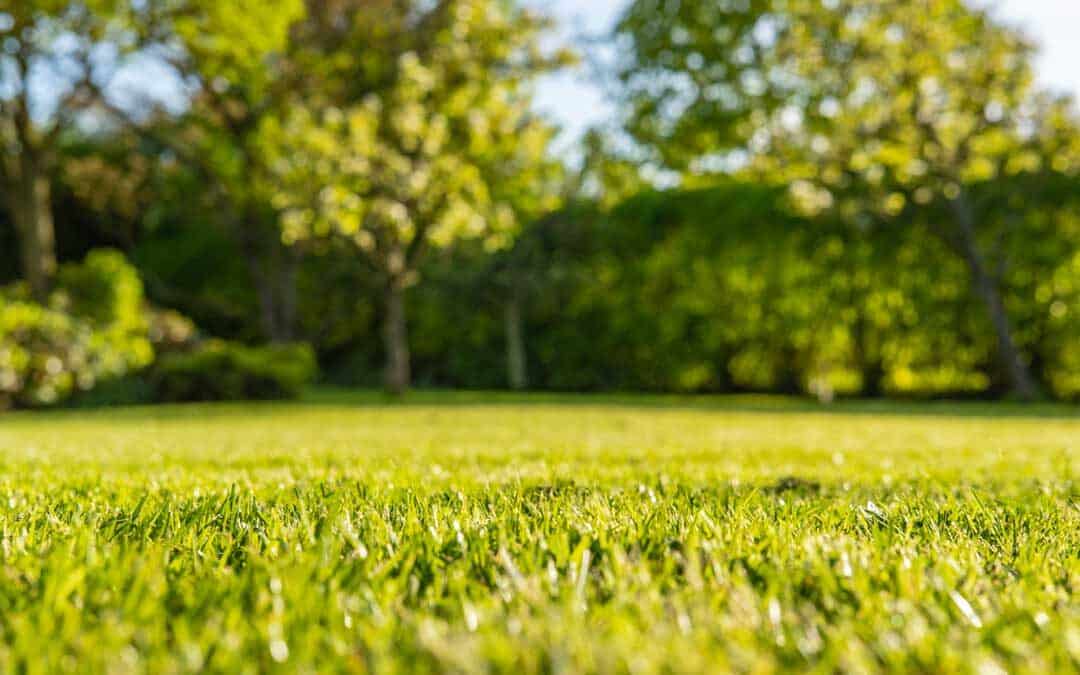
x: 906, y: 101
x: 230, y: 45
x: 128, y: 390
x: 171, y: 331
x: 690, y: 75
x: 238, y: 53
x: 418, y: 134
x: 713, y: 289
x: 890, y: 113
x: 439, y: 144
x: 606, y: 176
x: 194, y: 266
x: 509, y: 534
x: 223, y: 371
x: 395, y: 147
x: 105, y: 289
x: 92, y: 329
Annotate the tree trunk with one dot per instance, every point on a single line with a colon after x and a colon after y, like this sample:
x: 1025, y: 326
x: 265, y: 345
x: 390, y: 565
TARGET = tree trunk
x: 275, y: 285
x: 1020, y: 379
x: 397, y: 376
x: 986, y: 287
x: 287, y: 296
x: 272, y: 268
x: 31, y: 210
x: 867, y: 359
x: 516, y: 365
x: 264, y: 291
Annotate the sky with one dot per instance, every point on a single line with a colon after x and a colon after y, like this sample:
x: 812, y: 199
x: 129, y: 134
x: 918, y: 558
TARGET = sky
x: 576, y: 103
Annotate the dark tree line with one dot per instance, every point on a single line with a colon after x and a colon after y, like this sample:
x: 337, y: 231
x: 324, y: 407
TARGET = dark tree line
x: 875, y: 198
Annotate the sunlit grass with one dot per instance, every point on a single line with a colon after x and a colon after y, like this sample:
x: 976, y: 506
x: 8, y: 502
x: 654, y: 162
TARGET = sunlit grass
x: 480, y: 533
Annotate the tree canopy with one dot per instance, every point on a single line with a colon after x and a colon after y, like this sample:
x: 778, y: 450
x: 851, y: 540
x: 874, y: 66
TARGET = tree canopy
x: 427, y: 139
x: 884, y: 112
x: 827, y: 197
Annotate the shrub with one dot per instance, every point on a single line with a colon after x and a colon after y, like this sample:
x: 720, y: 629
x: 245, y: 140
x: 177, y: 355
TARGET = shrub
x: 105, y: 290
x: 92, y: 328
x: 170, y: 331
x: 225, y: 371
x: 1065, y: 379
x: 129, y: 390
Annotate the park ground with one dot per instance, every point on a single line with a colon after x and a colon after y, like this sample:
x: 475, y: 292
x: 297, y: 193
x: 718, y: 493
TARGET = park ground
x: 500, y: 533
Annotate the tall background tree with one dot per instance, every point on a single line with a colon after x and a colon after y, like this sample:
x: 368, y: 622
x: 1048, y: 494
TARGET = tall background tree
x: 886, y: 113
x: 56, y: 55
x: 875, y: 198
x: 233, y: 61
x: 413, y: 145
x: 72, y: 69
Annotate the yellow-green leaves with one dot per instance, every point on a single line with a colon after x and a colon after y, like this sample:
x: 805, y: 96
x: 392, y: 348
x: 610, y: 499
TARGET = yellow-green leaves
x: 232, y: 42
x: 881, y: 97
x: 437, y: 143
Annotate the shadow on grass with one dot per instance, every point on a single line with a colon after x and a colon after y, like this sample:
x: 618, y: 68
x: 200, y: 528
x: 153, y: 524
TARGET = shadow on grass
x: 748, y: 403
x: 344, y: 399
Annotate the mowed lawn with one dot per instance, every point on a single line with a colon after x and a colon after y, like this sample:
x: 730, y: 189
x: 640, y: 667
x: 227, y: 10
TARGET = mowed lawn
x: 496, y: 533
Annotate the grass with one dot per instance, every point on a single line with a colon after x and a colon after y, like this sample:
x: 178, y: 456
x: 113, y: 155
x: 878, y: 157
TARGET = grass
x: 496, y: 533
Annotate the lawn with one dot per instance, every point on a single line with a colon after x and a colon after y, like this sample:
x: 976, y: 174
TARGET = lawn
x: 498, y: 533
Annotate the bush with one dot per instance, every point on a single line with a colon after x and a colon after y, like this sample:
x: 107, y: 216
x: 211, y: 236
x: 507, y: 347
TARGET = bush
x: 225, y: 371
x: 129, y: 390
x: 91, y: 329
x: 1065, y: 378
x: 92, y: 343
x: 104, y: 289
x: 171, y: 331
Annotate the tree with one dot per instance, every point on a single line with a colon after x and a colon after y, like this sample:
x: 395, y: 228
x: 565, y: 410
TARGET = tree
x: 606, y: 176
x: 886, y: 113
x: 233, y: 59
x: 423, y: 128
x: 243, y: 81
x: 60, y: 63
x: 74, y: 47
